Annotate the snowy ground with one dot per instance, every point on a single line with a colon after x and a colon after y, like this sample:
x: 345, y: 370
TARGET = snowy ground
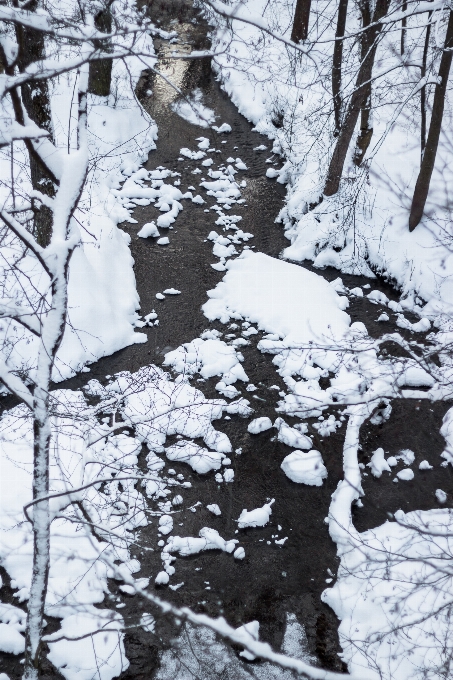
x: 103, y: 299
x: 330, y: 378
x: 285, y: 99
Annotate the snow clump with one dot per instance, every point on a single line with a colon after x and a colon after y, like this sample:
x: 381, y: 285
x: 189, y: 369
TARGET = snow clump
x: 255, y: 518
x: 378, y: 464
x: 305, y: 468
x: 214, y: 508
x: 259, y: 425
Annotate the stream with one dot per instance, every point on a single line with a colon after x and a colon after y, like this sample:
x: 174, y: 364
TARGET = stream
x: 274, y: 581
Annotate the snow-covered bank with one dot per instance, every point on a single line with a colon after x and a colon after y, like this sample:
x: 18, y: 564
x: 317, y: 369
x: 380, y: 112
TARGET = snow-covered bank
x: 102, y: 296
x: 364, y: 228
x: 93, y: 528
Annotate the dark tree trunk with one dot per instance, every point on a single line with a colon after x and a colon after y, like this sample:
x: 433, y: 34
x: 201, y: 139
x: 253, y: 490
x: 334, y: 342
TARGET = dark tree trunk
x: 337, y: 63
x: 423, y: 90
x: 403, y: 28
x: 429, y: 156
x: 357, y: 101
x: 100, y: 76
x: 35, y: 98
x: 301, y: 20
x: 366, y: 131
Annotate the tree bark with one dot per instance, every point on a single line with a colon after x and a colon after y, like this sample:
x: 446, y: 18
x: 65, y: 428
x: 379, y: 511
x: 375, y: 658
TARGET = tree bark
x: 337, y: 63
x: 357, y: 101
x: 432, y: 143
x: 423, y: 90
x: 366, y: 131
x: 52, y: 332
x: 301, y: 21
x: 403, y: 29
x: 35, y: 98
x: 41, y: 535
x: 100, y: 77
x: 52, y: 335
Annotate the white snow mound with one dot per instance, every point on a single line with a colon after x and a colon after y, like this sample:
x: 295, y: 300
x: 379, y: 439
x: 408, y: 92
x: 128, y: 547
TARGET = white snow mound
x: 259, y: 425
x: 305, y: 468
x: 280, y: 297
x: 255, y: 518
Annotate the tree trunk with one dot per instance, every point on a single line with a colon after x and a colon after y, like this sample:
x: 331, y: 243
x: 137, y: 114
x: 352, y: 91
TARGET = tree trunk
x: 52, y: 331
x: 357, y: 101
x: 100, y: 77
x: 423, y: 90
x: 337, y: 63
x: 429, y: 156
x: 35, y: 98
x: 52, y: 335
x: 41, y: 535
x: 366, y: 131
x: 301, y: 20
x: 403, y: 28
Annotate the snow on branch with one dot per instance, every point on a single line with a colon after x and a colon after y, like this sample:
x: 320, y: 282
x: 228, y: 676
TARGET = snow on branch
x: 27, y: 239
x: 15, y: 384
x: 45, y: 23
x: 238, y: 13
x: 26, y: 317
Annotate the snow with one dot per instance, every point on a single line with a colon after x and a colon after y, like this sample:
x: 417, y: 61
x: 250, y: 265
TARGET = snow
x: 154, y: 407
x: 148, y: 230
x: 209, y: 539
x: 203, y: 143
x: 407, y: 456
x: 102, y: 294
x: 208, y: 357
x: 11, y: 641
x: 260, y: 79
x: 251, y: 630
x: 228, y: 475
x: 165, y: 524
x: 378, y: 464
x: 162, y: 578
x: 192, y: 109
x: 164, y: 241
x: 259, y: 425
x: 225, y: 127
x: 292, y: 437
x: 200, y: 459
x: 311, y: 338
x: 78, y: 658
x: 78, y: 577
x: 441, y: 496
x: 405, y: 475
x: 255, y: 518
x: 261, y: 289
x: 387, y: 582
x: 327, y: 426
x: 200, y: 653
x: 305, y: 467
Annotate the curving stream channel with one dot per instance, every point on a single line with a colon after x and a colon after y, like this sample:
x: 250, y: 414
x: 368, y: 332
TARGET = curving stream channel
x: 274, y: 581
